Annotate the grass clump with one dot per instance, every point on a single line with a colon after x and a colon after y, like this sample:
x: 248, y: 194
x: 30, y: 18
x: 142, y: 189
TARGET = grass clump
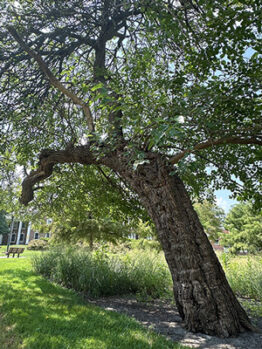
x: 99, y: 274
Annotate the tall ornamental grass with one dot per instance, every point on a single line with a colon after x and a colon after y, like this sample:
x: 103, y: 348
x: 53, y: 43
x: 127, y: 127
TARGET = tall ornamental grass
x: 96, y: 274
x: 244, y: 274
x: 143, y: 272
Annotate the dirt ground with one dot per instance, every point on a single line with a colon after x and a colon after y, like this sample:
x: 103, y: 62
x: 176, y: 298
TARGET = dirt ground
x: 163, y: 318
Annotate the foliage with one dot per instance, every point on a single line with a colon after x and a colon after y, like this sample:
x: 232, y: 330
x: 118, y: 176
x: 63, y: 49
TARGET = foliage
x: 38, y: 245
x: 87, y: 229
x: 145, y: 230
x: 254, y: 308
x: 211, y: 217
x: 99, y: 274
x: 89, y: 207
x: 145, y: 244
x: 245, y: 229
x: 178, y: 81
x: 36, y: 314
x: 126, y: 245
x: 4, y: 229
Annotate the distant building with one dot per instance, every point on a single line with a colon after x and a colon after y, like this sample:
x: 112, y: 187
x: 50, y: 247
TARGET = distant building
x: 216, y: 244
x: 22, y: 234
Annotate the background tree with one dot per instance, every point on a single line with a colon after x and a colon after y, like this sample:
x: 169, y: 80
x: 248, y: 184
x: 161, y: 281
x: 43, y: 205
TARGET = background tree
x: 158, y: 92
x: 86, y: 229
x: 4, y: 229
x: 211, y: 217
x: 245, y: 229
x: 88, y: 204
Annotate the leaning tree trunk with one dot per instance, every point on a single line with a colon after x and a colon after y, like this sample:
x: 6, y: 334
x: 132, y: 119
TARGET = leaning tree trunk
x: 203, y: 296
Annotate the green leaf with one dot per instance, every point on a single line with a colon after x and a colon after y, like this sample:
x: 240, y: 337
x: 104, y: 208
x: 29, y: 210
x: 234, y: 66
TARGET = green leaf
x: 97, y: 87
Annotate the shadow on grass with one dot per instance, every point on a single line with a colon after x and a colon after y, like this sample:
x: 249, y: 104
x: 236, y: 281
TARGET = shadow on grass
x: 45, y: 315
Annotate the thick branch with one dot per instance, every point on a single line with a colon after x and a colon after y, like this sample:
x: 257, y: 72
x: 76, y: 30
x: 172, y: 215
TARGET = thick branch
x: 49, y: 158
x: 53, y: 80
x: 220, y: 141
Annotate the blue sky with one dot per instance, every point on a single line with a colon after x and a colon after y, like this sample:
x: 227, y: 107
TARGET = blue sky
x: 223, y: 200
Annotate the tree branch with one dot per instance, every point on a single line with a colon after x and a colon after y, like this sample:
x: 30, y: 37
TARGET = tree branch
x: 220, y: 141
x: 53, y: 80
x: 47, y: 159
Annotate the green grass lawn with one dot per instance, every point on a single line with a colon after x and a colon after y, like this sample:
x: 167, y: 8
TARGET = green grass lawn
x: 35, y: 313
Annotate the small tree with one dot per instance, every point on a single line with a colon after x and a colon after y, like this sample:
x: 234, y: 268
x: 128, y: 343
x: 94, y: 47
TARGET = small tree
x: 245, y: 229
x: 87, y: 229
x: 88, y: 204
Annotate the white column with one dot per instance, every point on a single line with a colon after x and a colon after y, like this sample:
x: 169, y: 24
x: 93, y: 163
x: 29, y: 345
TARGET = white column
x: 19, y: 232
x: 28, y: 233
x: 1, y: 239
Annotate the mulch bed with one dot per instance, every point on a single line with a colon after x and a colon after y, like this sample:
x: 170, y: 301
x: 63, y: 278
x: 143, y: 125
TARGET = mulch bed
x: 163, y: 318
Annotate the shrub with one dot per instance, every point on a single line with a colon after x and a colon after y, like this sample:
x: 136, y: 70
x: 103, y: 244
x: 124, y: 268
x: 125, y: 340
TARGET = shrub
x: 38, y: 245
x: 99, y: 274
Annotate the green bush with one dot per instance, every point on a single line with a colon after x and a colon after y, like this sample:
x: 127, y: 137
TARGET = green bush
x: 38, y: 245
x: 99, y: 274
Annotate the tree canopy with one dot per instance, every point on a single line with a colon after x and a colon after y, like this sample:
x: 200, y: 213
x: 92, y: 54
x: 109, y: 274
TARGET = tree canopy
x: 169, y: 73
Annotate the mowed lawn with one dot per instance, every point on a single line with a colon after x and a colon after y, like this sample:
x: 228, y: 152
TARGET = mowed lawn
x: 34, y: 313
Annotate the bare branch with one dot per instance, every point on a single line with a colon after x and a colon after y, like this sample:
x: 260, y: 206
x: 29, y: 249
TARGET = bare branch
x: 220, y: 141
x: 53, y: 80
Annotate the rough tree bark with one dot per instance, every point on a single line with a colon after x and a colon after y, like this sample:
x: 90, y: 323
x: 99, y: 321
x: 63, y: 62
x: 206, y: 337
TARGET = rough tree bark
x: 203, y: 296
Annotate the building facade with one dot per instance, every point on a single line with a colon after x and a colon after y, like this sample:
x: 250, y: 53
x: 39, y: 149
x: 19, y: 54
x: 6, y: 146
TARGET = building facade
x: 22, y: 233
